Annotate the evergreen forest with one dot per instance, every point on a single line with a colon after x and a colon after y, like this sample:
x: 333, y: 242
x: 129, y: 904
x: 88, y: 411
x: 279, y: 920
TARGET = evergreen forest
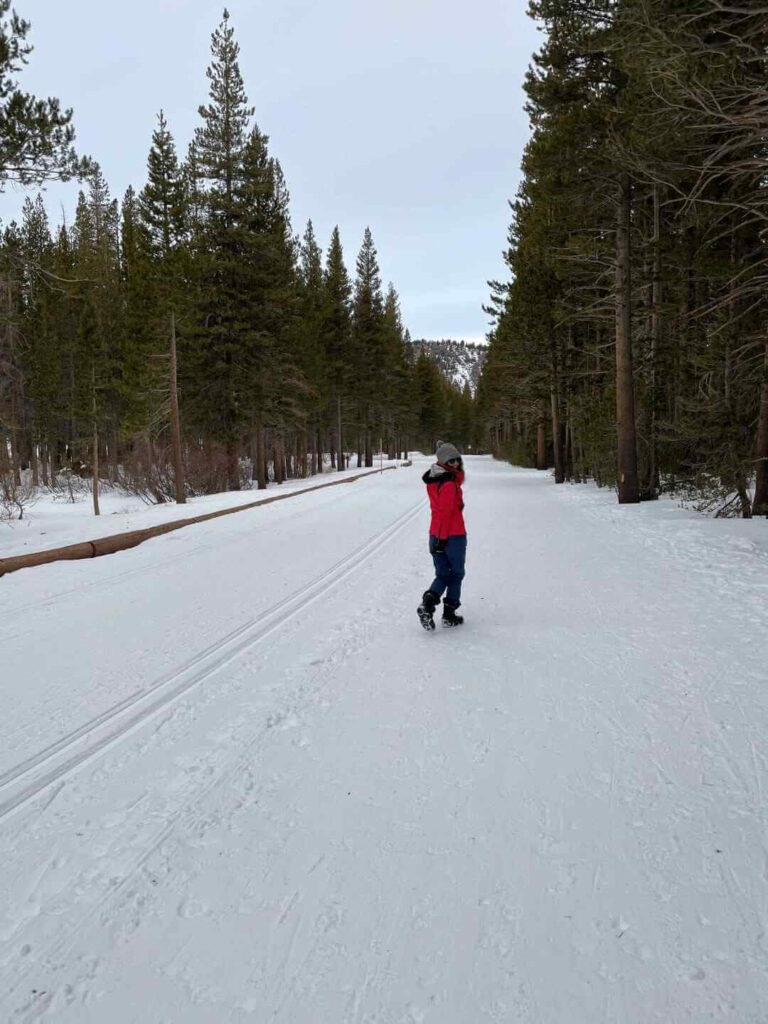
x: 630, y: 341
x: 183, y: 339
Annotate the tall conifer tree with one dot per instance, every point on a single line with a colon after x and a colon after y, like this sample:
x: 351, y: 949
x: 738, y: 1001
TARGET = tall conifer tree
x: 335, y: 333
x: 369, y: 341
x: 223, y: 323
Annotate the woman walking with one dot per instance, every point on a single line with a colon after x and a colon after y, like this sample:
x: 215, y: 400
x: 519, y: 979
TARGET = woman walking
x: 447, y: 537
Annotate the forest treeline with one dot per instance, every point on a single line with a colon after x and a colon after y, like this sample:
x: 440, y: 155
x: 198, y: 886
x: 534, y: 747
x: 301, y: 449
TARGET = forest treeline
x: 184, y: 339
x: 630, y: 343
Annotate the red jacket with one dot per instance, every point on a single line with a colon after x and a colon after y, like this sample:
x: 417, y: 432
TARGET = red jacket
x: 446, y: 501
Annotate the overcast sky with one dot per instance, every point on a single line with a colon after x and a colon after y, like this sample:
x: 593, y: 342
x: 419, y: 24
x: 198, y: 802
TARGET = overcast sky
x: 405, y: 115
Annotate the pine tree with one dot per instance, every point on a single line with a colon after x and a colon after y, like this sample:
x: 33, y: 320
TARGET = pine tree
x: 273, y: 349
x: 336, y: 339
x: 162, y: 209
x: 278, y: 390
x: 223, y: 328
x: 42, y: 370
x: 312, y: 360
x: 12, y: 381
x: 642, y: 193
x: 431, y: 396
x: 162, y: 199
x: 399, y: 391
x: 368, y: 337
x: 98, y: 363
x: 36, y: 136
x: 141, y: 372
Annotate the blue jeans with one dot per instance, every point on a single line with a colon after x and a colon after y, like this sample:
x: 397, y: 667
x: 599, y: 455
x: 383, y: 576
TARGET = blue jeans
x: 449, y: 567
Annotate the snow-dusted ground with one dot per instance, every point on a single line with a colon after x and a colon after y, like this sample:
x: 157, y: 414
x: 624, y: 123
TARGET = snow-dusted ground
x: 239, y: 783
x: 51, y: 521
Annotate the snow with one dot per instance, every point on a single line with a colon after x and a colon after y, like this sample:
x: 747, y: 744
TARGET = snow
x: 52, y: 521
x: 460, y: 362
x: 239, y: 783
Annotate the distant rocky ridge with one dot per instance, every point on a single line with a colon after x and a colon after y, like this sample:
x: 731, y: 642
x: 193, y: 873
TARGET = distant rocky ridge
x: 461, y: 362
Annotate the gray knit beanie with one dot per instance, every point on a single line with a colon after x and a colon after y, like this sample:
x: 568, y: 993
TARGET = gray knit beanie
x: 446, y: 452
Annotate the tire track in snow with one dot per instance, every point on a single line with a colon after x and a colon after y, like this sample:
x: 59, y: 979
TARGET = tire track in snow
x: 30, y: 777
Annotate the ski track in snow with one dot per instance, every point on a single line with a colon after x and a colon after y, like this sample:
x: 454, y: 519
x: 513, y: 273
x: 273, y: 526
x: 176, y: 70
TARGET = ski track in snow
x: 55, y: 762
x: 553, y: 814
x: 63, y: 625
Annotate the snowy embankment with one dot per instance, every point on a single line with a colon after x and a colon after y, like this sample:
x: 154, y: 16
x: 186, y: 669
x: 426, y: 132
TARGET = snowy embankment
x: 51, y: 521
x: 238, y: 782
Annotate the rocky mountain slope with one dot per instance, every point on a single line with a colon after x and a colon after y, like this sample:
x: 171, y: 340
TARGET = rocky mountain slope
x: 461, y: 362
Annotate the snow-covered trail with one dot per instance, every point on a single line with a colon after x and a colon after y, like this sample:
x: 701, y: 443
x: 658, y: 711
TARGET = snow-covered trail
x: 114, y: 628
x: 554, y: 814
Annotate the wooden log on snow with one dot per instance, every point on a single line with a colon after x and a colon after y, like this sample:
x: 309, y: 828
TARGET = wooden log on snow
x: 131, y: 539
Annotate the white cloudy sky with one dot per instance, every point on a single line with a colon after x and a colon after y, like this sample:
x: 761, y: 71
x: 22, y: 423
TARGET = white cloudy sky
x: 405, y: 115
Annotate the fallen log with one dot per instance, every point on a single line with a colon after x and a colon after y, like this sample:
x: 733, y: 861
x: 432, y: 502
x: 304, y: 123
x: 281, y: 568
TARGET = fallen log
x: 131, y: 539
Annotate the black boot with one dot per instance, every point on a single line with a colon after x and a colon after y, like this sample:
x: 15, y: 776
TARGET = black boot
x: 450, y: 618
x: 426, y: 609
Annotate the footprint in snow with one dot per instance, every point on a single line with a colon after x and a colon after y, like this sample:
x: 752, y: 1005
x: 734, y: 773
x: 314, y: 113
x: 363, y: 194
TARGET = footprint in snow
x: 189, y: 908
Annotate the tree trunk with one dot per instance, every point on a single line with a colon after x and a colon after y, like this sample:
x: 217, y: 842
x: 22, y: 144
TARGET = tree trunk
x: 34, y: 464
x: 5, y: 462
x: 541, y: 445
x: 278, y: 458
x: 114, y: 456
x: 178, y: 466
x: 653, y: 486
x: 760, y: 502
x: 567, y: 451
x: 15, y: 453
x: 744, y: 503
x: 368, y: 449
x: 339, y: 437
x: 233, y: 465
x: 15, y: 425
x: 557, y: 440
x: 254, y: 458
x: 261, y: 458
x: 575, y: 456
x: 628, y: 486
x: 150, y: 460
x: 95, y: 447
